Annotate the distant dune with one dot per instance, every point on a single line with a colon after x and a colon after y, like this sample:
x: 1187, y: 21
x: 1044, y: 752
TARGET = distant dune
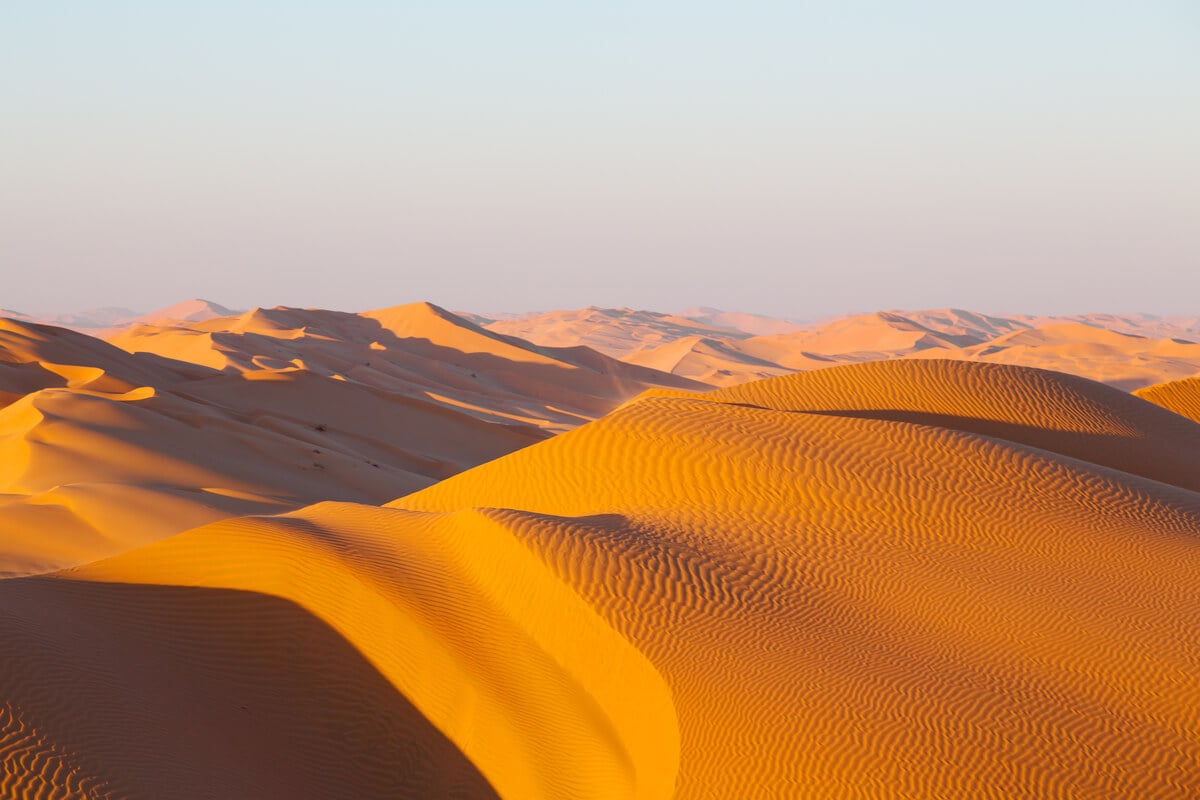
x: 618, y: 332
x: 753, y: 324
x: 417, y: 350
x: 1129, y: 351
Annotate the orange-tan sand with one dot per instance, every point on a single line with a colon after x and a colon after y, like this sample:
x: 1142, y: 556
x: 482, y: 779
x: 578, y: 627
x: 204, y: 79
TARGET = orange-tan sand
x: 906, y: 579
x: 103, y: 448
x: 1129, y: 352
x: 1181, y: 396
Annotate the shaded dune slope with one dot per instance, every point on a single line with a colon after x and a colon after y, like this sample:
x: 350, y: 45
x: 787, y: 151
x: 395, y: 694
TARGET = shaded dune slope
x: 418, y: 350
x: 455, y: 618
x: 102, y: 450
x: 1054, y: 411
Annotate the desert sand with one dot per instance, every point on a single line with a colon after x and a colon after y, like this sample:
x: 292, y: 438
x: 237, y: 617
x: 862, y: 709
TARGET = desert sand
x: 307, y: 554
x: 1126, y: 351
x: 1181, y: 396
x: 104, y: 449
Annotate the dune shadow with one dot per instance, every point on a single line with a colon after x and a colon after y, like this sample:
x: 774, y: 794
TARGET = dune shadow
x: 168, y: 691
x: 1176, y: 466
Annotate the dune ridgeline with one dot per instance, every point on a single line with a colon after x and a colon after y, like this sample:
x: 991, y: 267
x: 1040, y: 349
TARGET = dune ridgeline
x: 309, y: 555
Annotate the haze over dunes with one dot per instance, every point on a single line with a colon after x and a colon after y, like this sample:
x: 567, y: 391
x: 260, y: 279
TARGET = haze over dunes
x: 898, y: 579
x: 1128, y: 351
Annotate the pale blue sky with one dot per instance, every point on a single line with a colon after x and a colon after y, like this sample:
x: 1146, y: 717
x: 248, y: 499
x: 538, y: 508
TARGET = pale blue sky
x: 793, y: 158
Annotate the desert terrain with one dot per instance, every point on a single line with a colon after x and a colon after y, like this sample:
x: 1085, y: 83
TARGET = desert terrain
x: 598, y: 553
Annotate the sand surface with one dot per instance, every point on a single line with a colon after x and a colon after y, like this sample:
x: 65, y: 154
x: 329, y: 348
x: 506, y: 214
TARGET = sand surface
x: 1181, y: 396
x: 905, y: 579
x: 106, y: 447
x: 1126, y: 351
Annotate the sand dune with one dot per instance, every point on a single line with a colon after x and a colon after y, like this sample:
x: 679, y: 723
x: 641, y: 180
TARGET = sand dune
x: 711, y: 361
x: 913, y: 579
x: 617, y: 332
x: 1181, y: 397
x: 753, y: 324
x: 1127, y: 351
x: 102, y: 450
x: 878, y: 601
x: 335, y: 653
x: 1123, y: 360
x: 1150, y: 326
x: 418, y: 350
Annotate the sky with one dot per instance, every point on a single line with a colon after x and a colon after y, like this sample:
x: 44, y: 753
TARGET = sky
x: 791, y: 158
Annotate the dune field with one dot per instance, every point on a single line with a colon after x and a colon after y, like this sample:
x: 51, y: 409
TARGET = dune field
x: 407, y: 553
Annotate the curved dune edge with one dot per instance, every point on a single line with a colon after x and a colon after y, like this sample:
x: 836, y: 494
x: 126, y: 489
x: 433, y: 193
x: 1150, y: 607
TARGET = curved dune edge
x: 1181, y: 397
x: 1053, y: 411
x: 851, y: 606
x: 501, y: 657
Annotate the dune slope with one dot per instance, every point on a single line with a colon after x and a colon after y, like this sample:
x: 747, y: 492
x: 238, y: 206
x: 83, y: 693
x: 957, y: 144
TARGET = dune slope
x: 418, y: 350
x: 1182, y: 396
x: 102, y: 450
x: 345, y: 651
x: 851, y: 606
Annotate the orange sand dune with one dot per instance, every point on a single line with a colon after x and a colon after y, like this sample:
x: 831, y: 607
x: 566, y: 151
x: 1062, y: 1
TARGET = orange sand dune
x: 877, y: 601
x: 1123, y: 360
x: 862, y: 338
x: 1181, y: 396
x: 34, y: 356
x: 345, y: 651
x: 906, y: 579
x: 1148, y: 325
x: 1127, y: 351
x: 102, y: 450
x: 711, y: 361
x: 84, y: 475
x: 418, y: 350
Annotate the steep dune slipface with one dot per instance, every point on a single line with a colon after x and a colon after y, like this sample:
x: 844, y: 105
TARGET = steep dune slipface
x: 344, y: 651
x: 711, y: 361
x: 1182, y: 397
x: 852, y: 606
x: 417, y: 350
x: 34, y: 356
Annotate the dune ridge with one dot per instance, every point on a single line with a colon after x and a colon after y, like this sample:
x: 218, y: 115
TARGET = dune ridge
x: 418, y: 350
x: 454, y: 614
x: 841, y: 566
x: 1126, y: 351
x: 1181, y: 397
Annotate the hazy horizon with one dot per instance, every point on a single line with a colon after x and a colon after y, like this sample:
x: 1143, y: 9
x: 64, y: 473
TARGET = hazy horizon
x: 796, y: 160
x: 52, y: 315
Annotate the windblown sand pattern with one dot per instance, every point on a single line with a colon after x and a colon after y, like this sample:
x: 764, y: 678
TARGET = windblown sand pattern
x: 912, y: 579
x: 1182, y: 396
